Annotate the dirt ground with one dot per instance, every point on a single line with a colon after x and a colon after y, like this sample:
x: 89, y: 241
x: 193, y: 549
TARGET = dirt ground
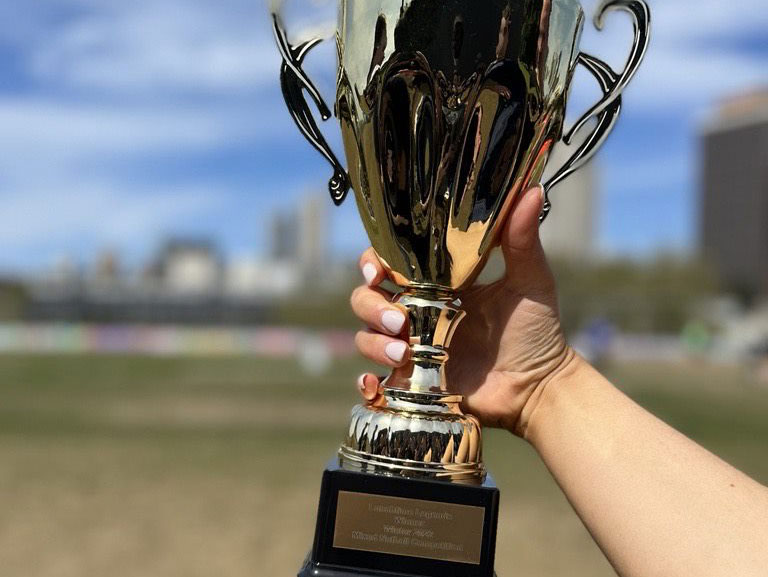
x: 198, y: 467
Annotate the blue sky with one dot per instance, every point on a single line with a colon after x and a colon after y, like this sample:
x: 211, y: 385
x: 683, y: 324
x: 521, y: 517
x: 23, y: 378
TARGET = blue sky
x: 125, y: 122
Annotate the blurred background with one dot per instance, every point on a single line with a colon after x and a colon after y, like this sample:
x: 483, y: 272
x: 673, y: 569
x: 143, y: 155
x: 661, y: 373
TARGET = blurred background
x: 176, y: 357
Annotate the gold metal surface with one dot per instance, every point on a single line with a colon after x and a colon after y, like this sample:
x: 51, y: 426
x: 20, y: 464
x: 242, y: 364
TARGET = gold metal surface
x: 412, y: 527
x: 414, y: 435
x: 448, y: 111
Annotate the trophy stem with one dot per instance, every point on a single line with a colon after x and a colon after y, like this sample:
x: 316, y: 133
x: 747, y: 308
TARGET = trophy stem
x: 417, y: 428
x: 433, y: 315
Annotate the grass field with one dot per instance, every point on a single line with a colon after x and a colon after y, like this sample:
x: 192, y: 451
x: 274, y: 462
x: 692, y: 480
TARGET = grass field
x: 135, y: 466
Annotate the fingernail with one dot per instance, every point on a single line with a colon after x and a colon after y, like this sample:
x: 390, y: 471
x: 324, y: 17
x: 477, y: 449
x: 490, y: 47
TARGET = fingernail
x: 393, y: 321
x: 541, y: 192
x: 368, y: 394
x: 396, y: 350
x: 369, y: 272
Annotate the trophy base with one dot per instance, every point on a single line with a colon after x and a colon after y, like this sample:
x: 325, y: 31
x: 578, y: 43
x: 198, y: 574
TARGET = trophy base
x: 415, y: 435
x: 311, y: 570
x: 373, y: 524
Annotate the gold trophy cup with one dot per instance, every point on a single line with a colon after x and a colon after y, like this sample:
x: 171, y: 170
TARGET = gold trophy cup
x: 448, y: 109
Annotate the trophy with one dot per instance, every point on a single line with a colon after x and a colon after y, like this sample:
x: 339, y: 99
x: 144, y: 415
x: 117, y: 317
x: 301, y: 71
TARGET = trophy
x: 449, y: 110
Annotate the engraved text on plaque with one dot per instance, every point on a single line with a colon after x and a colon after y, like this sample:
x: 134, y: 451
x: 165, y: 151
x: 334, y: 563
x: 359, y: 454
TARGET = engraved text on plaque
x: 413, y: 527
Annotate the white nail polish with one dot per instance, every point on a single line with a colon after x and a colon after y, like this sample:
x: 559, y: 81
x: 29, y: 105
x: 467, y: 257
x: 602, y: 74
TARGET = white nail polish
x: 361, y: 382
x: 393, y: 321
x: 396, y: 350
x: 369, y: 272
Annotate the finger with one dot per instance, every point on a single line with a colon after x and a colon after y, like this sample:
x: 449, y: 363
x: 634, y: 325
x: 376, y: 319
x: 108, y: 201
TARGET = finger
x: 368, y: 385
x: 371, y: 267
x: 527, y: 268
x: 373, y: 306
x: 382, y: 349
x: 521, y: 234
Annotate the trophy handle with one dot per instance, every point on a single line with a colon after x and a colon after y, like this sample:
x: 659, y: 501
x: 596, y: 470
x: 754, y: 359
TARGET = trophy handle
x: 607, y: 109
x: 294, y: 81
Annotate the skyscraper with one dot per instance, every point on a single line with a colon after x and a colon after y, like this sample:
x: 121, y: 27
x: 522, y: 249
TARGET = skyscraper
x: 284, y: 245
x: 568, y: 232
x: 299, y: 236
x: 734, y: 183
x: 569, y: 228
x: 313, y: 235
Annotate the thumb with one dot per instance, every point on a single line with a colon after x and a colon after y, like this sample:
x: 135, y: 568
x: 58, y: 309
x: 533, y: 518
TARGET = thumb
x: 527, y: 268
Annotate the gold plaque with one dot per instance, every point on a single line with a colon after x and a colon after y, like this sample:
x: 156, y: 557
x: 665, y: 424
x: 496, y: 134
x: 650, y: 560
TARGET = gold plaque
x: 412, y: 527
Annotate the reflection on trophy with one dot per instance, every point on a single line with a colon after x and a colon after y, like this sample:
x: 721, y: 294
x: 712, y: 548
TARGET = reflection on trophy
x: 448, y: 111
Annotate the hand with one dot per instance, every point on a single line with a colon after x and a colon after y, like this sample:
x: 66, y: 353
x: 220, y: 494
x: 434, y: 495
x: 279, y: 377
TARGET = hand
x: 509, y: 346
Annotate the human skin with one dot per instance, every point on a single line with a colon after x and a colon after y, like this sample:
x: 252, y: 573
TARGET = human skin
x: 655, y: 502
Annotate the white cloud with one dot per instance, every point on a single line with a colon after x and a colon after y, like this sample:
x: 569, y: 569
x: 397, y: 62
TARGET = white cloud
x: 122, y: 80
x: 228, y: 47
x: 692, y: 19
x: 684, y: 68
x: 68, y: 175
x: 55, y: 218
x: 155, y: 46
x: 116, y: 84
x: 87, y: 128
x: 61, y: 142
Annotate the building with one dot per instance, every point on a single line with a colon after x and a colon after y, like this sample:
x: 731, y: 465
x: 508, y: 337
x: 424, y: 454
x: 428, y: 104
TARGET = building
x: 190, y: 267
x: 187, y: 282
x: 284, y: 237
x: 299, y: 239
x: 313, y: 239
x: 248, y: 278
x: 733, y: 232
x: 569, y: 231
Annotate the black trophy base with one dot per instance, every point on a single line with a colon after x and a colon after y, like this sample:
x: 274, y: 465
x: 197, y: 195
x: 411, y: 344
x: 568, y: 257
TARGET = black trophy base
x: 374, y: 525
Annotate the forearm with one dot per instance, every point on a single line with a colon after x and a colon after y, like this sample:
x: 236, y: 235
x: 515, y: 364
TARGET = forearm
x: 656, y: 502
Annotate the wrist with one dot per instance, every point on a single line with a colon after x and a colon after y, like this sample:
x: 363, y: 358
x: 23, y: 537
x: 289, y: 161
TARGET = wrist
x: 540, y: 406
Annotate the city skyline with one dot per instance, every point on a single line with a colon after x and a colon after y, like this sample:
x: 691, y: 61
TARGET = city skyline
x: 126, y: 124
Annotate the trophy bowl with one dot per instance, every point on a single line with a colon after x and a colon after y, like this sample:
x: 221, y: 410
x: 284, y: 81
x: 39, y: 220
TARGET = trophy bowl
x: 448, y: 110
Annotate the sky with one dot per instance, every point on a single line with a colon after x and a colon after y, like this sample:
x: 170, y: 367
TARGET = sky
x: 124, y: 123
